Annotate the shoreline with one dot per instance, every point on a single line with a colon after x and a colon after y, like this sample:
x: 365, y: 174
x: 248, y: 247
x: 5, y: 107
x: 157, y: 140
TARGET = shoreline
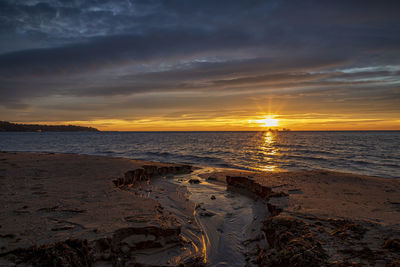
x: 229, y: 168
x: 49, y: 198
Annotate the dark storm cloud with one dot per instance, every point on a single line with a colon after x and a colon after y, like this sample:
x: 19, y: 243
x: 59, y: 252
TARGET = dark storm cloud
x: 116, y: 49
x: 87, y: 32
x: 112, y: 48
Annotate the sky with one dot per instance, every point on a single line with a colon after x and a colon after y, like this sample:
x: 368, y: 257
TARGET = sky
x: 155, y: 65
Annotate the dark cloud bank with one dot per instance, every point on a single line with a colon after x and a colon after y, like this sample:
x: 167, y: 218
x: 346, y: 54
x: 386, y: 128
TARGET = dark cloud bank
x: 109, y: 49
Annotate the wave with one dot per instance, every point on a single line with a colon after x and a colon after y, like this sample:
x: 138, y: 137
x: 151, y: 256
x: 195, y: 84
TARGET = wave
x: 305, y: 158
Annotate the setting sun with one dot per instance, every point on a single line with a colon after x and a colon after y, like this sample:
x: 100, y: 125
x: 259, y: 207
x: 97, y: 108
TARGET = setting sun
x: 268, y: 122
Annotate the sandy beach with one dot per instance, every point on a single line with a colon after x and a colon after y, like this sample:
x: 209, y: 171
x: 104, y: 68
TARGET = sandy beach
x: 81, y: 210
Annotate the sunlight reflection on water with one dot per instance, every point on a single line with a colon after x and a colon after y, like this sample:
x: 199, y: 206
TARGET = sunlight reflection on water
x: 268, y: 150
x: 370, y: 153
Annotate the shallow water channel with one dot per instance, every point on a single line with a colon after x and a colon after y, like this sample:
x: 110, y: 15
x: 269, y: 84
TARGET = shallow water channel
x: 217, y: 221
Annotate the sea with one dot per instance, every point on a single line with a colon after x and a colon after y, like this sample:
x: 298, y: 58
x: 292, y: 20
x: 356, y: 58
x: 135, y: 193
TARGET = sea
x: 373, y: 153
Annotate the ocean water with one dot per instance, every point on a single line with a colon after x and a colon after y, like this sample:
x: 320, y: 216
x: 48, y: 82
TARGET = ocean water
x: 369, y: 153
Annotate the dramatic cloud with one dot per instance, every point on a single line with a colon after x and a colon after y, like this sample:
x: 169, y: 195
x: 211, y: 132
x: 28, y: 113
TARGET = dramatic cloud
x: 92, y: 60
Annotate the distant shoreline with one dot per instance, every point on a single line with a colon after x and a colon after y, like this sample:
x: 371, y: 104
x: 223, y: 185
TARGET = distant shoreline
x: 6, y: 126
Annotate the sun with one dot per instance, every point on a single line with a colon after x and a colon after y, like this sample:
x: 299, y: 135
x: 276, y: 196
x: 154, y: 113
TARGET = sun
x: 268, y: 122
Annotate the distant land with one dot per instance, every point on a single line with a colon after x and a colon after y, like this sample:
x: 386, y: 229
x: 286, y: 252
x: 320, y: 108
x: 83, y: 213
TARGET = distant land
x: 6, y: 126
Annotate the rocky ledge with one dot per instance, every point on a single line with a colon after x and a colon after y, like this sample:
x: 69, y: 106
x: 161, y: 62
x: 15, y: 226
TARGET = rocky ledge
x: 146, y: 172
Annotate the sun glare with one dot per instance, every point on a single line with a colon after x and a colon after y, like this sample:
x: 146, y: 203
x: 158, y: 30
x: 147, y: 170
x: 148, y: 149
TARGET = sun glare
x: 268, y: 122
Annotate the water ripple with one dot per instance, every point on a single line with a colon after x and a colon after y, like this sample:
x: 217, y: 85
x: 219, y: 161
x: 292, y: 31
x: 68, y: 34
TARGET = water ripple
x: 370, y: 153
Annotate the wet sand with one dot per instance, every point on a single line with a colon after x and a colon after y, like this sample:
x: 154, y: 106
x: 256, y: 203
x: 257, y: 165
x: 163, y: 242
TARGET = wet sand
x: 70, y: 209
x: 218, y: 220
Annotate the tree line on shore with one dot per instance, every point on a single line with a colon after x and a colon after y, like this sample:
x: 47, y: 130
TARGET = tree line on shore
x: 6, y: 126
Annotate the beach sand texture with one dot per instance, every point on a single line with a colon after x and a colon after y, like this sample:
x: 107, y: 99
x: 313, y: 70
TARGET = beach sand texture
x: 78, y: 209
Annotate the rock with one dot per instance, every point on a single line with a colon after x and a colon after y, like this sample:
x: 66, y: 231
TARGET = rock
x: 345, y: 228
x: 291, y: 243
x: 212, y: 197
x: 148, y: 171
x: 135, y: 241
x: 295, y: 191
x: 392, y: 244
x: 252, y: 187
x: 125, y: 249
x: 131, y: 177
x: 106, y: 256
x: 145, y: 237
x: 68, y: 253
x: 274, y: 210
x: 207, y: 214
x: 63, y: 228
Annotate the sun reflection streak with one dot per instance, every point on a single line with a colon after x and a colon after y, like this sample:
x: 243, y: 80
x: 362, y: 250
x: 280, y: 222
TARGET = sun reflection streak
x: 268, y: 138
x: 268, y: 149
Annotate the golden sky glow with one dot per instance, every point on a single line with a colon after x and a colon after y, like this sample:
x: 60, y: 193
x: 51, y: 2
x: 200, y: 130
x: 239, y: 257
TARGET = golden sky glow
x: 256, y: 123
x: 228, y: 113
x: 200, y: 70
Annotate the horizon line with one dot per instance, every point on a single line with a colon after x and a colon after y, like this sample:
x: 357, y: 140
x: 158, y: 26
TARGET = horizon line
x: 252, y: 131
